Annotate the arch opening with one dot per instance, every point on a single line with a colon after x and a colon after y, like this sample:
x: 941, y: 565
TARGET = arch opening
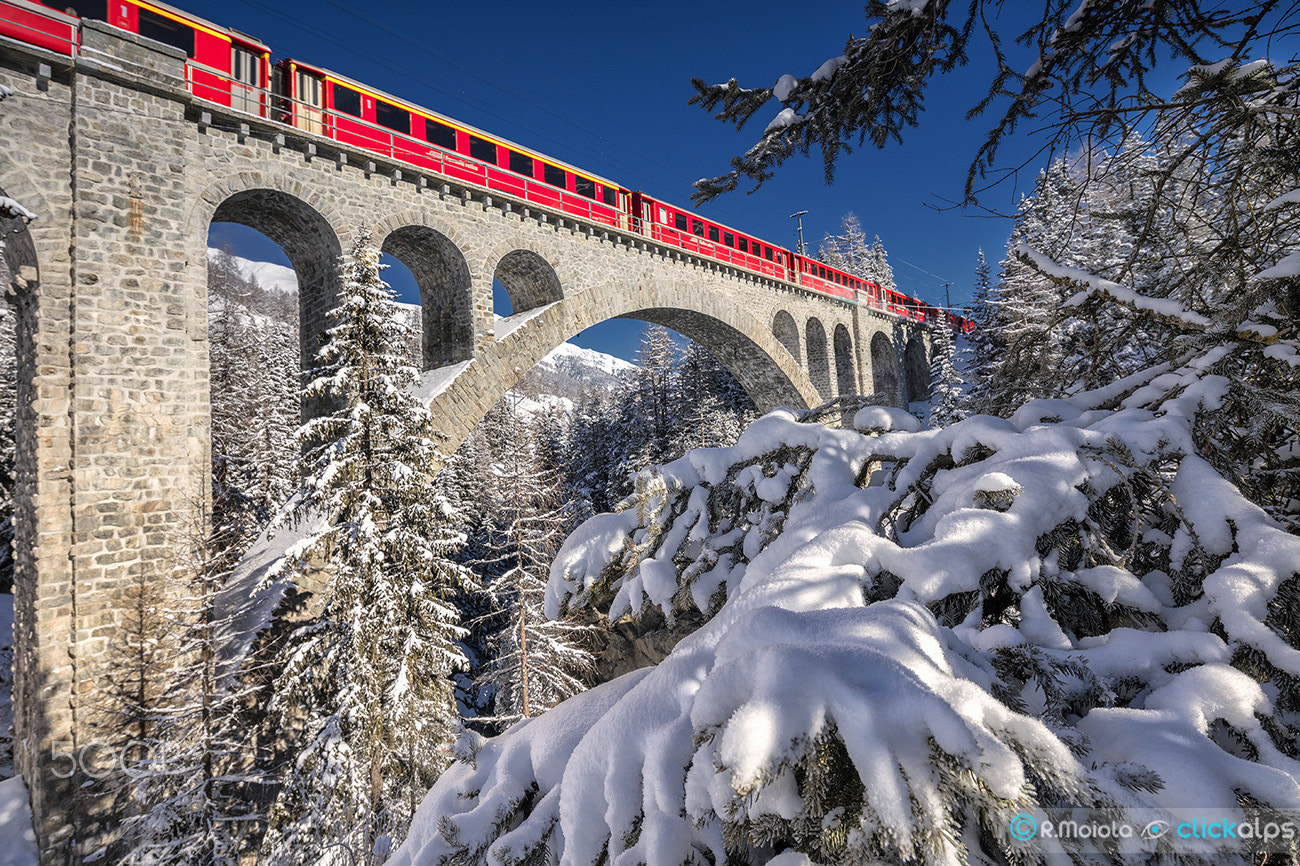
x: 446, y: 305
x: 786, y: 333
x: 917, y: 371
x: 819, y: 370
x: 255, y: 358
x: 846, y: 380
x: 528, y: 281
x: 760, y: 376
x: 884, y: 367
x: 310, y: 244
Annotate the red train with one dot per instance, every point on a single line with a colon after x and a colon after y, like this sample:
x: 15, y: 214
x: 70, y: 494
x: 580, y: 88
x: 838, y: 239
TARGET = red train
x: 233, y: 69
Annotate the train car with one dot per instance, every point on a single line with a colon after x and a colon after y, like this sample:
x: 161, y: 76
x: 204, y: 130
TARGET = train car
x: 233, y: 69
x: 222, y: 65
x: 671, y: 225
x: 832, y: 281
x: 36, y: 24
x: 326, y: 103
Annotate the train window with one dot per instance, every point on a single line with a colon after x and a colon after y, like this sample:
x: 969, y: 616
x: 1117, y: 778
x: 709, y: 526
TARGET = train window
x: 609, y: 195
x: 521, y: 164
x: 86, y: 9
x: 346, y: 100
x: 697, y: 228
x: 744, y: 245
x: 713, y: 233
x: 681, y: 223
x: 767, y: 253
x: 440, y: 134
x: 729, y: 239
x: 554, y: 176
x: 396, y: 119
x: 584, y: 186
x: 169, y: 32
x: 663, y: 215
x: 482, y: 149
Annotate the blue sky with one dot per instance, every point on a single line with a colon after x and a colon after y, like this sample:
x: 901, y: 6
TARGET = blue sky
x: 605, y: 86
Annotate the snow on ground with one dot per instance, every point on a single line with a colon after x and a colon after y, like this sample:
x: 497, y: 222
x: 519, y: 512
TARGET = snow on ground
x: 255, y: 589
x: 888, y: 625
x: 17, y: 838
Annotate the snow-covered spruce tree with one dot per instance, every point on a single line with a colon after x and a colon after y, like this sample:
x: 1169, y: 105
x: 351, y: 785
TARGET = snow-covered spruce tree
x: 536, y: 661
x: 1223, y: 288
x: 367, y: 685
x: 912, y: 638
x: 878, y: 269
x: 849, y: 250
x: 983, y: 347
x: 1026, y: 302
x: 948, y: 403
x: 713, y: 407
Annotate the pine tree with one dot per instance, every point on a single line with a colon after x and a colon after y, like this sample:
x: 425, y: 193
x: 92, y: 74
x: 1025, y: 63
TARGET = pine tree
x: 948, y: 403
x: 877, y: 267
x: 849, y: 250
x: 649, y: 408
x: 254, y: 368
x: 368, y: 683
x: 983, y: 345
x: 1026, y: 302
x: 536, y: 662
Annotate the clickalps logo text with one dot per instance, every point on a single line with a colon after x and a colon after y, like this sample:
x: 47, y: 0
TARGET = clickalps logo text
x: 1148, y: 830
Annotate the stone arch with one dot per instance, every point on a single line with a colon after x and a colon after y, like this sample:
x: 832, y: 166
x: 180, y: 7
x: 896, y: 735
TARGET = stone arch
x: 443, y: 276
x: 786, y: 332
x: 704, y: 311
x: 529, y: 280
x: 884, y: 367
x: 846, y: 380
x: 916, y: 370
x: 819, y: 369
x: 751, y: 363
x: 309, y: 240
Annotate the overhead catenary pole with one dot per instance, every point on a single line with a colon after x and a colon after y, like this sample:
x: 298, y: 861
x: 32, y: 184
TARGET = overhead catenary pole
x: 799, y: 247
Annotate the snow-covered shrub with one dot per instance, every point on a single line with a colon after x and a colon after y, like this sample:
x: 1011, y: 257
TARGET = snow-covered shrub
x: 912, y: 638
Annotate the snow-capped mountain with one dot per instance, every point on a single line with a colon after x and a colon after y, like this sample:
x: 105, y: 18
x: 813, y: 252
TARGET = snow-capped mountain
x: 276, y: 278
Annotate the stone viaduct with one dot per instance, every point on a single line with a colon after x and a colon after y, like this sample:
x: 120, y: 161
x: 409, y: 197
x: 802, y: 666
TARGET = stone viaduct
x: 126, y: 171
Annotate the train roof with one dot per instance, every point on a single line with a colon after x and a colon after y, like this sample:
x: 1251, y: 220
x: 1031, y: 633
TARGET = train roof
x: 442, y: 118
x: 190, y: 17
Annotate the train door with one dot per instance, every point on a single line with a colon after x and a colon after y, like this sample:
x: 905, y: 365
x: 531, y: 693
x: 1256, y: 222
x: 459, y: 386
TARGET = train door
x: 309, y: 105
x: 245, y: 80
